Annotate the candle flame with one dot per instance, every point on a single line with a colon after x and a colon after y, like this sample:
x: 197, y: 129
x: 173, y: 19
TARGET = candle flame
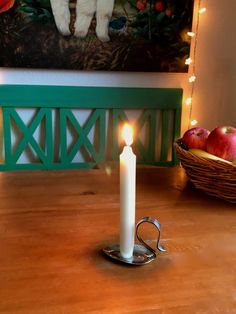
x: 127, y: 134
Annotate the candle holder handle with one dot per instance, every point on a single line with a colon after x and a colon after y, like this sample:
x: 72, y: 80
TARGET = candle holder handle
x: 157, y: 224
x: 142, y: 254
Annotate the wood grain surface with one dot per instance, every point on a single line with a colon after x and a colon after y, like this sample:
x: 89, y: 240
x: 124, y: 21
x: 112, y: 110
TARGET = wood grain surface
x: 54, y: 224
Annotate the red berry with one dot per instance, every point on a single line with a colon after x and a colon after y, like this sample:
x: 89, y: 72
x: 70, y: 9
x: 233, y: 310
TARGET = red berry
x: 6, y: 5
x: 168, y: 12
x: 141, y: 5
x: 159, y: 6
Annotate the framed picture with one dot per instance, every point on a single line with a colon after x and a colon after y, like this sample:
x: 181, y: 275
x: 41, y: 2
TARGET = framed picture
x: 103, y: 35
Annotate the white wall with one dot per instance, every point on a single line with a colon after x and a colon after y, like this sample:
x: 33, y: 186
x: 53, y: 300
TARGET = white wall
x: 215, y: 93
x: 215, y: 88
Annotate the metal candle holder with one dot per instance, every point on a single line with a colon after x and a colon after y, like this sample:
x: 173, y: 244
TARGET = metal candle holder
x: 143, y: 253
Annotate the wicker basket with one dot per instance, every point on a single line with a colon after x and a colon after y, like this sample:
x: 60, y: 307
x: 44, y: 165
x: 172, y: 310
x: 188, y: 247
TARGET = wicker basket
x: 215, y: 177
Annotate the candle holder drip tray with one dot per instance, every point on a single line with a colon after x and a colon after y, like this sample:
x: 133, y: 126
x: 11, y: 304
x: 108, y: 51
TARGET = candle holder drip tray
x: 142, y: 253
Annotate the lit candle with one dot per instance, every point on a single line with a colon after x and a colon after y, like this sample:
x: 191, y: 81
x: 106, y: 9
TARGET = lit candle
x: 127, y: 194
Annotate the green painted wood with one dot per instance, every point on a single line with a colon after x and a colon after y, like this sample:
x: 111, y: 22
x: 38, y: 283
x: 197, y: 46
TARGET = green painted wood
x: 97, y: 115
x: 89, y: 97
x: 27, y: 132
x: 53, y: 166
x: 149, y: 116
x: 117, y: 116
x: 164, y: 135
x: 7, y: 135
x: 64, y: 99
x: 138, y: 145
x: 176, y: 133
x: 63, y: 134
x: 152, y: 134
x: 49, y: 142
x: 102, y: 136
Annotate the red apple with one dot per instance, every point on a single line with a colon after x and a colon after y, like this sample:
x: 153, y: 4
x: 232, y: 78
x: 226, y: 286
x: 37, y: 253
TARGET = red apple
x: 196, y: 138
x: 222, y: 142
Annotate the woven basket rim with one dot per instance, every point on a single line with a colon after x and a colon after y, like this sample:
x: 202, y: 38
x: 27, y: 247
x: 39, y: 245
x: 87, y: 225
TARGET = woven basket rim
x: 214, y: 177
x: 202, y: 160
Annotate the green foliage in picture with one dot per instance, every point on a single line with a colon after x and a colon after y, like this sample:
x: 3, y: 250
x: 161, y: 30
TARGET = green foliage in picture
x: 36, y: 10
x: 142, y: 35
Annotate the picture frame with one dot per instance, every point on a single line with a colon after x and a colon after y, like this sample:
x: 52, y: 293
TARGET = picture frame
x: 138, y: 35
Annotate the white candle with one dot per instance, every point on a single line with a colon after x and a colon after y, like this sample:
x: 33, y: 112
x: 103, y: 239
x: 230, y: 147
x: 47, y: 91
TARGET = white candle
x: 127, y: 195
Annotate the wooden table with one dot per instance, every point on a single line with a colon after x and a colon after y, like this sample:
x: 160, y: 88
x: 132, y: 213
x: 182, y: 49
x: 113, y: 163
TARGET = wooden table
x: 54, y: 224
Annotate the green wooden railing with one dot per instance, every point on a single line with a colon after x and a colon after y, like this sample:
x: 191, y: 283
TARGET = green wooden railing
x: 57, y: 112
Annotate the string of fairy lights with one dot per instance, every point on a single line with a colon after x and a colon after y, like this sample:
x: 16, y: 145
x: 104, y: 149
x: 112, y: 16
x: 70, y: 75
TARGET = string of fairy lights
x: 190, y: 61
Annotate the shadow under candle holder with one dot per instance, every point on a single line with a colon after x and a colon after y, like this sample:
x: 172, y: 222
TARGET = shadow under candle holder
x: 142, y: 253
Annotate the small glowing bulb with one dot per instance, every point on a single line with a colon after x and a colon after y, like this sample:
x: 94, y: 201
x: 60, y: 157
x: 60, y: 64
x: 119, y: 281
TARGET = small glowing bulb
x: 194, y: 122
x: 188, y: 101
x: 191, y: 34
x: 192, y: 78
x: 188, y: 61
x: 202, y: 10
